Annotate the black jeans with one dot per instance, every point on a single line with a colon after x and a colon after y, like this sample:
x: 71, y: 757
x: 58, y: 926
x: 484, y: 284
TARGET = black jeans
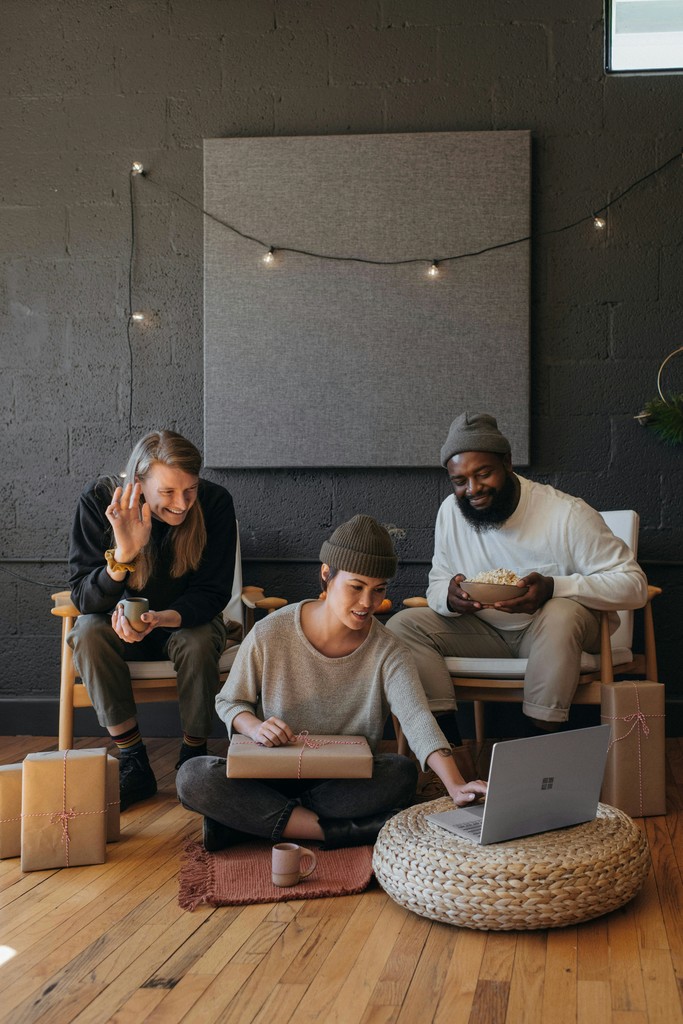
x: 261, y: 807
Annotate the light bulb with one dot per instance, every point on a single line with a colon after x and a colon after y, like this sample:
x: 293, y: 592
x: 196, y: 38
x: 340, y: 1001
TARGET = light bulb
x: 434, y: 269
x: 138, y: 317
x: 599, y: 223
x: 137, y: 168
x: 269, y: 257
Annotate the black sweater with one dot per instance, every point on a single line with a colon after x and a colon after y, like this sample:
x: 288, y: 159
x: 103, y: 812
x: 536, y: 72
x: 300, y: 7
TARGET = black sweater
x: 197, y: 596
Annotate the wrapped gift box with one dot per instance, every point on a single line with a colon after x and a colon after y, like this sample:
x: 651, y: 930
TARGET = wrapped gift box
x: 634, y: 774
x: 113, y: 800
x: 64, y: 817
x: 309, y: 757
x: 10, y: 810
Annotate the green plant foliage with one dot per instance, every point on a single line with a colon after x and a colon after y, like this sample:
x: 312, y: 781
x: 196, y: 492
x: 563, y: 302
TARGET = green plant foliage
x: 666, y: 418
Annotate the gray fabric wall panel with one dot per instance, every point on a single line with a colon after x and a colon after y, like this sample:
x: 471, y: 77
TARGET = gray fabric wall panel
x: 319, y: 363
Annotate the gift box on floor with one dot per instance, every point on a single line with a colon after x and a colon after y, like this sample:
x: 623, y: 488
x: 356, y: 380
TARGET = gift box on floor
x: 308, y: 757
x: 64, y: 817
x: 10, y: 810
x: 113, y: 800
x: 634, y: 774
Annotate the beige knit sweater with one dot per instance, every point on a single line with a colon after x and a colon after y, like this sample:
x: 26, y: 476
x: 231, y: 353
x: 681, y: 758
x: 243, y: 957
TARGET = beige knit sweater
x: 277, y: 672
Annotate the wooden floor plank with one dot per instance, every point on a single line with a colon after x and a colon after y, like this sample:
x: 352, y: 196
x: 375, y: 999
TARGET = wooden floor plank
x: 661, y: 990
x: 560, y: 992
x: 361, y: 979
x: 525, y: 1001
x: 625, y: 976
x: 593, y: 1001
x: 427, y: 984
x: 460, y: 984
x: 333, y: 971
x: 109, y: 943
x: 593, y: 950
x: 398, y: 971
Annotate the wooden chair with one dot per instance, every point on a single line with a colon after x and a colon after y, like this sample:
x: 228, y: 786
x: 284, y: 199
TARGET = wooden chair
x: 152, y: 680
x: 502, y: 679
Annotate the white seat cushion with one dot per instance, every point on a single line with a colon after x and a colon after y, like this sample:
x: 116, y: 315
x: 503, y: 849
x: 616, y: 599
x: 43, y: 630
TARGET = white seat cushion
x: 515, y: 668
x: 165, y: 670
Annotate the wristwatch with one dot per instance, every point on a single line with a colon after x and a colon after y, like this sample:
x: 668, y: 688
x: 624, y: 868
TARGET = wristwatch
x: 118, y: 566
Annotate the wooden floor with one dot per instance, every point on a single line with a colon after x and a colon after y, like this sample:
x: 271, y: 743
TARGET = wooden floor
x: 109, y: 942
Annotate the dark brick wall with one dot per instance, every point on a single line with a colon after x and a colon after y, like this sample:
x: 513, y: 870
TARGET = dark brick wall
x: 86, y: 88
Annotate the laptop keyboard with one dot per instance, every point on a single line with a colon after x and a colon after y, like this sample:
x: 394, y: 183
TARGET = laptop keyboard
x: 473, y: 828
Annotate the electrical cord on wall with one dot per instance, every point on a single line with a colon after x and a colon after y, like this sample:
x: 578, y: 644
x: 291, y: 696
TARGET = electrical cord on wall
x: 594, y: 216
x: 35, y: 583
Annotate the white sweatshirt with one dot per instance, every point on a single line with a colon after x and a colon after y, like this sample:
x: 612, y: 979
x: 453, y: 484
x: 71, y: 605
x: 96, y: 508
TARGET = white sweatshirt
x: 549, y: 532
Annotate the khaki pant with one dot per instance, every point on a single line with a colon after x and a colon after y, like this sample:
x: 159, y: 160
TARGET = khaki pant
x: 553, y: 642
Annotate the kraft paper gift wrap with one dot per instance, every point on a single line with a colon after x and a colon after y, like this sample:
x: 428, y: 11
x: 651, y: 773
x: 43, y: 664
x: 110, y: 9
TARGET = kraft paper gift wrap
x: 10, y: 810
x: 309, y: 757
x: 113, y: 800
x: 634, y: 774
x: 64, y: 818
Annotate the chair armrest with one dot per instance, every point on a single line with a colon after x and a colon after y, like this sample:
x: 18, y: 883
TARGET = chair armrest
x: 415, y: 602
x: 64, y: 606
x: 254, y: 597
x: 653, y: 592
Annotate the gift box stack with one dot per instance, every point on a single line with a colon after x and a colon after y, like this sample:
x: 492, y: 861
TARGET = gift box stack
x: 60, y: 808
x: 634, y: 775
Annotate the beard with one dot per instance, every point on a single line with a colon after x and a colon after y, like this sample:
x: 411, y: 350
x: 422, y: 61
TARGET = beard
x: 503, y: 504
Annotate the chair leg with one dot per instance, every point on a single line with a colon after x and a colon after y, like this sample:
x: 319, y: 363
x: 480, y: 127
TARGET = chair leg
x: 606, y: 666
x: 66, y: 690
x: 650, y: 649
x: 479, y: 728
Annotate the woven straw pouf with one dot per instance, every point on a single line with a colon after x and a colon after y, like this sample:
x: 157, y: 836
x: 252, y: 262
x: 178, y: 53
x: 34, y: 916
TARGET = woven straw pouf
x: 549, y: 880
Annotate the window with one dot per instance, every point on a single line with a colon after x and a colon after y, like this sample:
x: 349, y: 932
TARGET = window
x: 645, y: 35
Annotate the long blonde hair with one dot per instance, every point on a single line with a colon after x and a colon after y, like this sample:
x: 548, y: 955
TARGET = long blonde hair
x: 188, y: 540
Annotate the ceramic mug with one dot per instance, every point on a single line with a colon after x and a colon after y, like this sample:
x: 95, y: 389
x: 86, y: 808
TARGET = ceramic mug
x: 133, y: 607
x: 287, y: 859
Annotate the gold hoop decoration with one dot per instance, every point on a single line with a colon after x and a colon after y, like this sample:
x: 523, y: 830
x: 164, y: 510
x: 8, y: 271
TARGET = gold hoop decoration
x: 665, y: 416
x: 676, y: 352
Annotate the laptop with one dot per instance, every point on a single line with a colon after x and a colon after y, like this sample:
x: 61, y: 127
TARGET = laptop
x: 535, y: 785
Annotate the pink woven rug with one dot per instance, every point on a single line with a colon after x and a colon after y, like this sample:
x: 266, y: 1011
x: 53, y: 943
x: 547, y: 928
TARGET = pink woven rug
x: 241, y: 874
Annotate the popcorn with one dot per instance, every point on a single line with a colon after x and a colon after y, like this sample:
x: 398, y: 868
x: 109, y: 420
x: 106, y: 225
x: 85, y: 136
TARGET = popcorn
x: 505, y: 576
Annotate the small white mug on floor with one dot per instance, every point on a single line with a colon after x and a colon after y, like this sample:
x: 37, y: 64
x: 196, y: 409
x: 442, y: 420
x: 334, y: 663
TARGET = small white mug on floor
x: 287, y: 858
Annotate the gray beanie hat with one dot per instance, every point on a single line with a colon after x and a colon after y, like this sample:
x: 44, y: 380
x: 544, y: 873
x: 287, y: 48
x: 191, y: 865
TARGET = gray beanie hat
x: 362, y: 545
x: 474, y: 432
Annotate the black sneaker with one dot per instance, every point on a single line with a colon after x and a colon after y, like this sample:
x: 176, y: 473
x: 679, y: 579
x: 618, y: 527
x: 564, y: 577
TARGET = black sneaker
x: 136, y: 778
x: 187, y: 752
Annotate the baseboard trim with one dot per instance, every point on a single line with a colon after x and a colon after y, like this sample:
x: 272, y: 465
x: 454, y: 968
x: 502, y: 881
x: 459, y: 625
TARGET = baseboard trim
x: 39, y: 716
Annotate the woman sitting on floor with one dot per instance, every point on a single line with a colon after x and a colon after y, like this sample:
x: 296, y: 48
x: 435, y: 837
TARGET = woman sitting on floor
x: 327, y: 667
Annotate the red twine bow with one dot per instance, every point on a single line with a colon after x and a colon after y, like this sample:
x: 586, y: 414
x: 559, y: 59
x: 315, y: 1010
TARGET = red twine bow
x: 64, y: 816
x: 638, y: 720
x: 312, y: 744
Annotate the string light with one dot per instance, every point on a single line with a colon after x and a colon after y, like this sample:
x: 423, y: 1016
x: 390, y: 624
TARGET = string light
x: 599, y: 223
x: 137, y: 168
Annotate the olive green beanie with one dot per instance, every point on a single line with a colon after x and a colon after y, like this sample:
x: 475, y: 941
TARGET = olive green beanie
x: 474, y: 432
x: 362, y: 546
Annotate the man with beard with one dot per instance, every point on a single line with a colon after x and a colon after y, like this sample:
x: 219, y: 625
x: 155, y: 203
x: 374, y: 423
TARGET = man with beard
x: 569, y: 561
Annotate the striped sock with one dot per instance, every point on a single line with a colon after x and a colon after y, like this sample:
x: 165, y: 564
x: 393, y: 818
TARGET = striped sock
x: 130, y: 741
x: 193, y: 741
